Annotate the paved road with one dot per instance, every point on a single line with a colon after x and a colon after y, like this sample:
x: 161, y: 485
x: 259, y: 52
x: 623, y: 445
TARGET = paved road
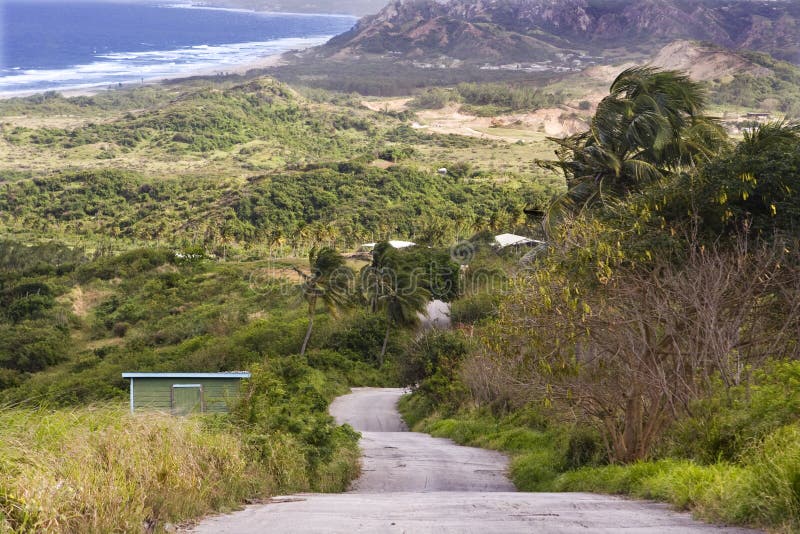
x: 414, y: 483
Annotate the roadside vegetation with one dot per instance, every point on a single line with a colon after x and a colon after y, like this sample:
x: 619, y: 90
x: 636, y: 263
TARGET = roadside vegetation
x: 651, y: 350
x: 648, y: 349
x: 71, y: 324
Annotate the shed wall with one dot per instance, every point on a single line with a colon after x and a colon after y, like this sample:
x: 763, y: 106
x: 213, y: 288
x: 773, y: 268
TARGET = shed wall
x: 219, y: 394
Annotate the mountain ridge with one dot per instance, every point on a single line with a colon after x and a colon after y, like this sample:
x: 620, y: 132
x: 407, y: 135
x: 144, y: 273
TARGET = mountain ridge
x: 490, y: 30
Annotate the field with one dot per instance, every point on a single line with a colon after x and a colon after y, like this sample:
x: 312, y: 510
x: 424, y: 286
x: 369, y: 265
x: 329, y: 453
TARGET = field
x: 189, y: 226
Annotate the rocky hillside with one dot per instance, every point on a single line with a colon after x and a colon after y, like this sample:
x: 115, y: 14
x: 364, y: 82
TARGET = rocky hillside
x: 707, y: 62
x: 515, y: 30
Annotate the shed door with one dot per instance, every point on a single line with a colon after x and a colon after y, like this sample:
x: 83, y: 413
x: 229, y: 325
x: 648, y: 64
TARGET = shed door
x: 187, y: 399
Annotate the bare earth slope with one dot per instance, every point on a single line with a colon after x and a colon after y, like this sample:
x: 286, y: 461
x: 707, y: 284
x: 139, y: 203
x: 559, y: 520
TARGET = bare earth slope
x: 412, y: 482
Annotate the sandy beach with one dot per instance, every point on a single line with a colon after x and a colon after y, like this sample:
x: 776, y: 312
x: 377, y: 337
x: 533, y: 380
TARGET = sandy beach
x: 274, y: 60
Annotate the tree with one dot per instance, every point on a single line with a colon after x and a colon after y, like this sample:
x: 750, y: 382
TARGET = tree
x: 650, y: 125
x: 755, y: 188
x: 329, y: 282
x: 394, y: 287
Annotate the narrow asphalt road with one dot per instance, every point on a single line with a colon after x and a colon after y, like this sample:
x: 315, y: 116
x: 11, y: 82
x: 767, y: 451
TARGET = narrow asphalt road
x: 414, y: 483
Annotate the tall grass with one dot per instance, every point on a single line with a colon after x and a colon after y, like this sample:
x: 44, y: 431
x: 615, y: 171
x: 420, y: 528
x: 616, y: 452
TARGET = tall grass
x: 763, y: 490
x: 103, y: 470
x: 760, y: 489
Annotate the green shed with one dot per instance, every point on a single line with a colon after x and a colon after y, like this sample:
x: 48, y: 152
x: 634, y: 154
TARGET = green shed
x: 185, y: 393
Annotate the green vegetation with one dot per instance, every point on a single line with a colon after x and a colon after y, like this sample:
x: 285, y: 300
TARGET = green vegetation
x: 777, y: 92
x: 651, y: 349
x: 235, y: 167
x: 77, y: 323
x: 388, y: 77
x: 169, y: 229
x: 344, y: 204
x: 488, y: 99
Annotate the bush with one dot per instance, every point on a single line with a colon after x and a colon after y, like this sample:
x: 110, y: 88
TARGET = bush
x: 435, y: 98
x: 474, y: 308
x: 435, y: 351
x: 361, y: 334
x: 726, y: 424
x: 763, y: 491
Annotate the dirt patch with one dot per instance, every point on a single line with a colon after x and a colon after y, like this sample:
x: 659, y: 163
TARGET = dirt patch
x: 83, y: 301
x: 607, y: 73
x: 557, y: 122
x: 381, y: 164
x: 103, y: 343
x: 389, y: 104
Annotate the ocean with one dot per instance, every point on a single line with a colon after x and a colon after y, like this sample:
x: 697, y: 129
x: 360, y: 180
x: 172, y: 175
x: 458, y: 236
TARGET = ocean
x: 62, y: 45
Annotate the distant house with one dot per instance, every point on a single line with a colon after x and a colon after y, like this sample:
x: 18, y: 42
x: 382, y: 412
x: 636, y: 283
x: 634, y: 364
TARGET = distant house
x: 511, y: 240
x: 185, y: 393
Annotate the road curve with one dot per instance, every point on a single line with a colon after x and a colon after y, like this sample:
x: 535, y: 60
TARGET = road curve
x: 414, y: 483
x: 396, y: 460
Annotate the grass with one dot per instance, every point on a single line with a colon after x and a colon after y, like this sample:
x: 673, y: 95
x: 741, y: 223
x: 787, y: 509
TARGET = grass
x: 100, y: 469
x: 103, y: 470
x: 761, y: 490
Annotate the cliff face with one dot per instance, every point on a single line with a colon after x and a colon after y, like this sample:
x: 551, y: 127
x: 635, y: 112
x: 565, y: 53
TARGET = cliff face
x: 513, y: 29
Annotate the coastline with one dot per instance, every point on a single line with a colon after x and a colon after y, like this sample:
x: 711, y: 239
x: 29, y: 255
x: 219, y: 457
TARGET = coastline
x: 195, y: 5
x: 208, y: 70
x: 274, y: 60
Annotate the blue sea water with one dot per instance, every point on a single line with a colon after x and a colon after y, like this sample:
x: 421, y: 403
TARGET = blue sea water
x: 59, y: 45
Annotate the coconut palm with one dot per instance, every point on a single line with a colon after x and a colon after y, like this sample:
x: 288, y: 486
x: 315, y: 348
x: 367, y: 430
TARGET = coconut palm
x: 393, y: 287
x: 329, y: 282
x: 650, y: 124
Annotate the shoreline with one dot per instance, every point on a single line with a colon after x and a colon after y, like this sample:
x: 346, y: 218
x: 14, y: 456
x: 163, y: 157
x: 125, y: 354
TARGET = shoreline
x: 263, y: 12
x: 223, y: 70
x: 242, y: 69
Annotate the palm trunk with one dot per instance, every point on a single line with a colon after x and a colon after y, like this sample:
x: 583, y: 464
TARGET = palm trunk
x: 310, y: 326
x: 385, y: 342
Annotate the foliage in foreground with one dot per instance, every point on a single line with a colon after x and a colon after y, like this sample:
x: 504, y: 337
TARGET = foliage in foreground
x: 100, y: 469
x: 652, y: 348
x: 152, y: 310
x: 736, y: 461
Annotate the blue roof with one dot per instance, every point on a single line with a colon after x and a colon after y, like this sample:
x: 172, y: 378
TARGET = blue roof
x: 232, y: 374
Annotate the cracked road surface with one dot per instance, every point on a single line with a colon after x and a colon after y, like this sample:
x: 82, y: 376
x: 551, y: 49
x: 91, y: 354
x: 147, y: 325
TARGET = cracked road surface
x: 414, y: 483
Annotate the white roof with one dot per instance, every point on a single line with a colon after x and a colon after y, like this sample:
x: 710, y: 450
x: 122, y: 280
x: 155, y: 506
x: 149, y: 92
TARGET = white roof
x: 393, y: 243
x: 401, y: 244
x: 232, y: 374
x: 505, y: 240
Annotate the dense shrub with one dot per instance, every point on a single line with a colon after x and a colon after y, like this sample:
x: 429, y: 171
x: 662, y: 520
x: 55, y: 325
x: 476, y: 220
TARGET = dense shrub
x: 726, y: 424
x: 435, y: 351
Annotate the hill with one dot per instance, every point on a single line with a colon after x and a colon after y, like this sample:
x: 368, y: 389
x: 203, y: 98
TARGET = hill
x: 542, y: 30
x: 706, y: 62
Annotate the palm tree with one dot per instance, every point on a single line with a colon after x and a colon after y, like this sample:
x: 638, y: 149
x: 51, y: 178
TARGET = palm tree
x: 650, y: 124
x: 329, y: 282
x: 394, y: 287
